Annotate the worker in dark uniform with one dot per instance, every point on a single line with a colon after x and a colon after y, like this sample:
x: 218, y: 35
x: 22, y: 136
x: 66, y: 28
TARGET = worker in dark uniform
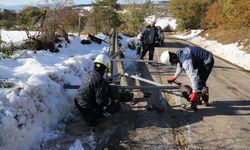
x: 198, y: 64
x: 148, y: 37
x: 93, y: 97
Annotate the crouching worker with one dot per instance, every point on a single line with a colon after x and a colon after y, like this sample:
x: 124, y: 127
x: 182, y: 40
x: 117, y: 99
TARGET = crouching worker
x: 93, y: 97
x: 197, y: 63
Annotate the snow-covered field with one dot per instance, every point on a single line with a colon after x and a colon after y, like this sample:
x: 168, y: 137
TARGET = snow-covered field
x: 35, y: 102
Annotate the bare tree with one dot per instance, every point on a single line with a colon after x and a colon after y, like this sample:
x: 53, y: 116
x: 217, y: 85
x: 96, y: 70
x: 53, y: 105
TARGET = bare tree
x: 55, y: 14
x: 52, y: 23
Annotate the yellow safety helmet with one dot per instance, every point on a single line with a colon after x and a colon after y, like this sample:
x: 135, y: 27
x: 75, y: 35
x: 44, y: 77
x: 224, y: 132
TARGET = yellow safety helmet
x: 102, y: 59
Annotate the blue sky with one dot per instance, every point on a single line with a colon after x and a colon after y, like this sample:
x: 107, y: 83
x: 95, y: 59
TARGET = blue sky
x: 34, y: 2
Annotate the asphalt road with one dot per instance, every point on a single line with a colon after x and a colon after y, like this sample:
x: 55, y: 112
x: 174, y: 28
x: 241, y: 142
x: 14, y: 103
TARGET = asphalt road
x: 225, y: 124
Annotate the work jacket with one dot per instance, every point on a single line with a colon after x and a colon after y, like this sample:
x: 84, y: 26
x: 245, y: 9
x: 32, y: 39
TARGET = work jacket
x: 93, y: 92
x: 191, y: 59
x: 149, y: 35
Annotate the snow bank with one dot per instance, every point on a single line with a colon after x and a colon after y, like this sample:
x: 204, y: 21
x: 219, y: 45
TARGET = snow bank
x: 165, y: 21
x: 35, y: 102
x: 14, y: 36
x: 229, y: 52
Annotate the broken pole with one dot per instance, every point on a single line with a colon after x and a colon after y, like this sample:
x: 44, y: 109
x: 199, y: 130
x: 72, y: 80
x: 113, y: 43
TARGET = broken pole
x: 130, y: 87
x: 120, y: 66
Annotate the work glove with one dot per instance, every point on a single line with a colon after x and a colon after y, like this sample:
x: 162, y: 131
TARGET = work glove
x: 193, y: 97
x: 171, y: 79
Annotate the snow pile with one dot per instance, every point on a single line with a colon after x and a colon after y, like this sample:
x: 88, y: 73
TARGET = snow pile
x: 229, y: 52
x: 32, y: 98
x: 36, y: 101
x: 14, y: 36
x: 166, y: 21
x: 163, y: 22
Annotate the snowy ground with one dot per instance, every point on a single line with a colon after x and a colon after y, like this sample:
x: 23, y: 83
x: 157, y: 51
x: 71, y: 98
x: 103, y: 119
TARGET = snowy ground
x: 32, y: 100
x: 14, y: 37
x: 165, y: 21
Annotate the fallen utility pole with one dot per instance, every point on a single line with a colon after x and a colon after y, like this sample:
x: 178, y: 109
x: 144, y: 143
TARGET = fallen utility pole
x: 155, y: 85
x: 143, y: 80
x: 137, y: 60
x: 69, y: 86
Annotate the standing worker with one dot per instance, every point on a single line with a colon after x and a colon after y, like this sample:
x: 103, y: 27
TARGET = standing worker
x: 197, y: 63
x: 148, y: 37
x: 93, y: 97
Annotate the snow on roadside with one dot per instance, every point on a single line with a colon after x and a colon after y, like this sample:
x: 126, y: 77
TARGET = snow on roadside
x: 35, y: 102
x: 165, y: 21
x: 229, y: 52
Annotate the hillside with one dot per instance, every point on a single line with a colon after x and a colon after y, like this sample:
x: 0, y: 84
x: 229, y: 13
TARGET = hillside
x: 240, y: 36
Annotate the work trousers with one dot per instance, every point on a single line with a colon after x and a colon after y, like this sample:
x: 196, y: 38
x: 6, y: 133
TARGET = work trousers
x: 150, y: 48
x: 204, y: 72
x: 93, y: 115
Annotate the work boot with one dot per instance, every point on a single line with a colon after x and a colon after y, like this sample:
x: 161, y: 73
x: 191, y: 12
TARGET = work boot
x: 199, y: 99
x: 205, y: 96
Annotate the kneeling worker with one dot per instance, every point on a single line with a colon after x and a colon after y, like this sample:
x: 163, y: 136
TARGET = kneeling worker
x: 198, y: 64
x: 93, y: 97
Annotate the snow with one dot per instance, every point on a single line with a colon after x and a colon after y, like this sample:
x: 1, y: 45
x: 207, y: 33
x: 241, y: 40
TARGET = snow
x: 229, y: 52
x: 165, y: 21
x: 77, y: 145
x: 14, y: 36
x: 33, y: 102
x: 36, y: 102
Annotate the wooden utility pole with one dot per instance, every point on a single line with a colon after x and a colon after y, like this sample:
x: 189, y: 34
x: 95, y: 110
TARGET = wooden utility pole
x: 112, y: 50
x: 120, y: 66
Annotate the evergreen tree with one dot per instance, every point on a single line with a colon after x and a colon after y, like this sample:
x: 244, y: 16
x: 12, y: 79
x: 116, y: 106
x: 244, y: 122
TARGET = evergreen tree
x: 104, y: 16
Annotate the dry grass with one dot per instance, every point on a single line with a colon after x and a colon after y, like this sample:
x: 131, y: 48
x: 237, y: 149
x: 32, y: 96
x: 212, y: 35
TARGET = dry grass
x: 242, y: 37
